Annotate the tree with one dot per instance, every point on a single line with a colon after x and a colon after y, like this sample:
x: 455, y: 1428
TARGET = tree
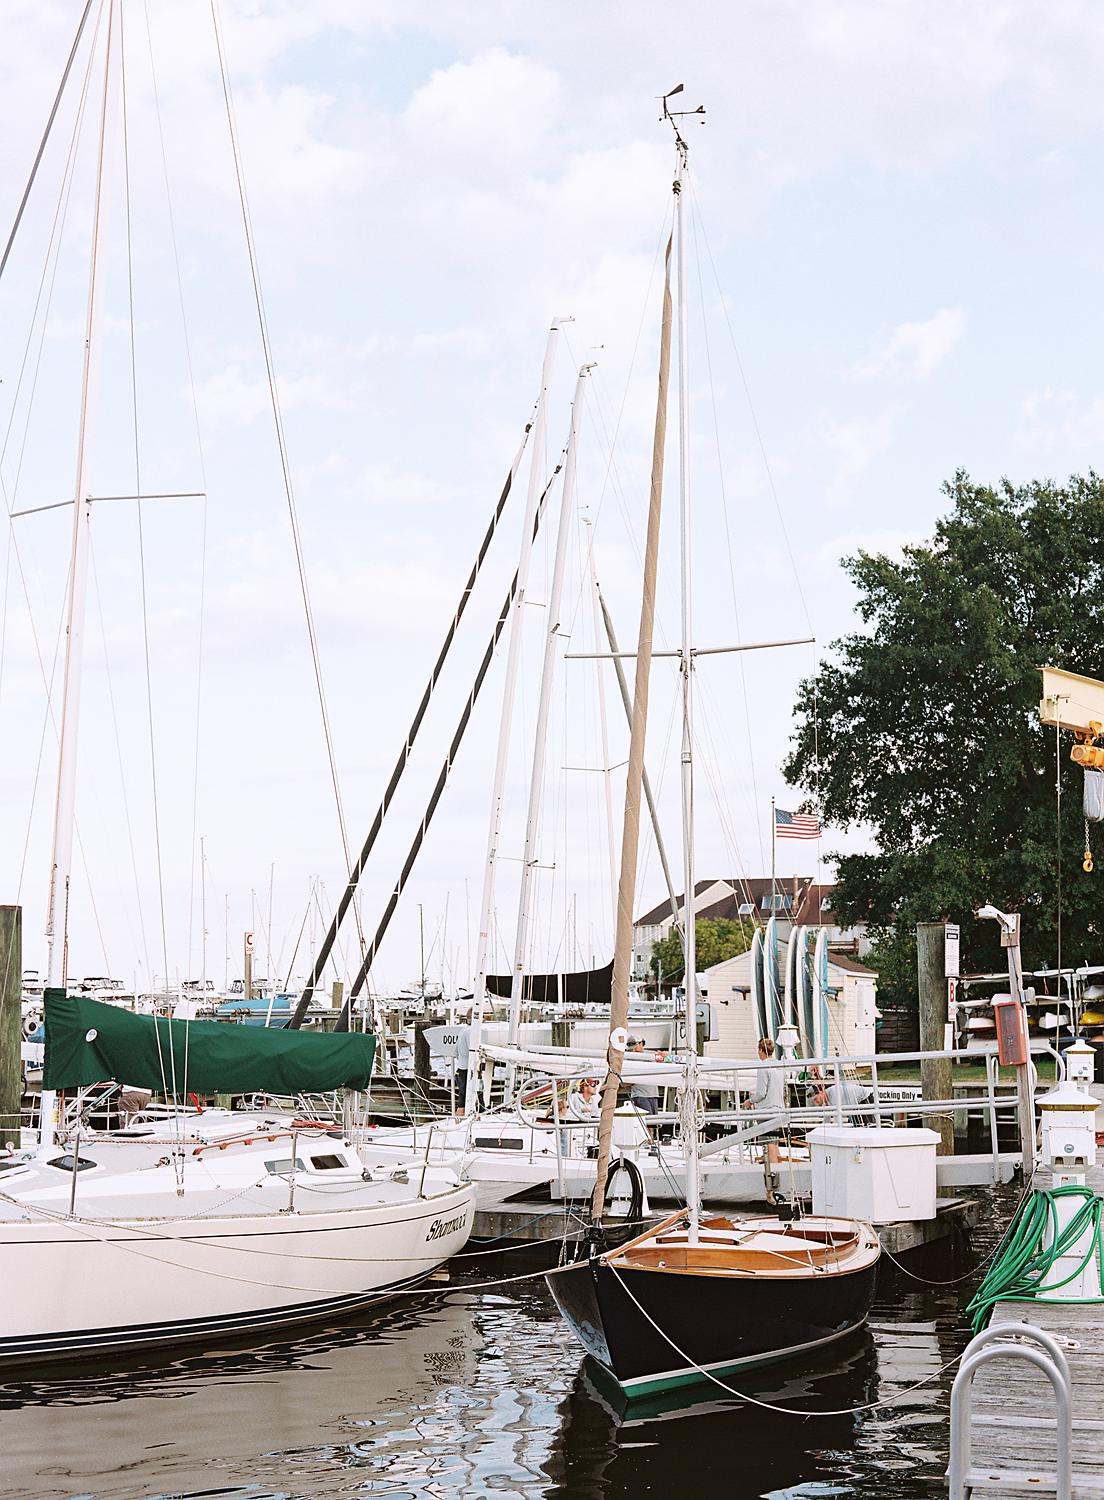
x: 716, y: 939
x: 927, y: 725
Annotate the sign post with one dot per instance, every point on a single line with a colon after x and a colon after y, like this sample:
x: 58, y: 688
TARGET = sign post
x: 248, y: 966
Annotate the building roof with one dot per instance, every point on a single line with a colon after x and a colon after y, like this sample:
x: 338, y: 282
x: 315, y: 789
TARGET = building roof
x: 742, y: 890
x: 814, y: 898
x: 851, y: 965
x: 742, y: 961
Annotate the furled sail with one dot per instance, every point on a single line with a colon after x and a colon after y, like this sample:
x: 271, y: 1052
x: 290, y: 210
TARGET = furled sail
x: 88, y: 1042
x: 588, y: 987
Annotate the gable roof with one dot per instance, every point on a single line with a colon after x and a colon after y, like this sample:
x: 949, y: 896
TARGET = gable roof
x: 742, y: 890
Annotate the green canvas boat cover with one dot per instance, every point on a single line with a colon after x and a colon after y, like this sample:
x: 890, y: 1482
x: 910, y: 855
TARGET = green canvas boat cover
x: 89, y: 1042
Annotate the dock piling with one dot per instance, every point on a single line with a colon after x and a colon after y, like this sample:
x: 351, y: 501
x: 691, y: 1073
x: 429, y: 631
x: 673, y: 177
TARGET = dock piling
x: 11, y: 1027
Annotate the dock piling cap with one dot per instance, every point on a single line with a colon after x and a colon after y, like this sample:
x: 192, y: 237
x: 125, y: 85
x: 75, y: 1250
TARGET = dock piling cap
x: 1068, y: 1096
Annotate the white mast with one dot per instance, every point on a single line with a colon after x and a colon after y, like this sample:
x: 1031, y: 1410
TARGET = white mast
x: 203, y: 909
x: 603, y: 728
x: 540, y: 737
x: 513, y: 654
x: 57, y: 917
x: 689, y: 947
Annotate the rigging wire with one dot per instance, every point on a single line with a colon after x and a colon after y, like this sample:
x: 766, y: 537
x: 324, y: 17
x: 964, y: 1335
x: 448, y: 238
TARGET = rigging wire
x: 138, y: 502
x: 46, y: 283
x: 754, y: 416
x: 728, y: 533
x: 285, y: 466
x: 46, y: 134
x: 202, y: 470
x: 119, y: 755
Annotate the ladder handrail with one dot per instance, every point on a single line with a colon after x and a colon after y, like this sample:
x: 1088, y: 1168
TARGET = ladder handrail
x: 993, y: 1343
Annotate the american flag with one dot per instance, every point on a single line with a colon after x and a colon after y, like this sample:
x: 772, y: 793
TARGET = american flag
x: 789, y: 825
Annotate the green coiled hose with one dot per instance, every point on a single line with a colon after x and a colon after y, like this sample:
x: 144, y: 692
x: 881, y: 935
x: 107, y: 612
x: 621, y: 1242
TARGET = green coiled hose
x: 1021, y: 1263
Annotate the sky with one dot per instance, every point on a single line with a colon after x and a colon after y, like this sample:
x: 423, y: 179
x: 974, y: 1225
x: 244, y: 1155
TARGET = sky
x: 892, y: 265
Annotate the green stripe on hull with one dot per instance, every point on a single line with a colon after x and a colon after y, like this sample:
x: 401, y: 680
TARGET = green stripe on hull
x: 673, y: 1380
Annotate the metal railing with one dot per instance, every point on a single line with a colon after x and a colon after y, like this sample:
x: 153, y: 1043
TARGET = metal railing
x: 1006, y: 1341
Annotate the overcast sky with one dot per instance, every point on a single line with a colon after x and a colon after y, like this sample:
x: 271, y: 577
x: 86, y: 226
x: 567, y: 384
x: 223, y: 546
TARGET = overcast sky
x: 896, y: 227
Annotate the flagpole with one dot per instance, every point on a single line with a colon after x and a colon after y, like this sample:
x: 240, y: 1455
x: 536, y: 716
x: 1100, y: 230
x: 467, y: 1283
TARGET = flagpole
x: 774, y: 836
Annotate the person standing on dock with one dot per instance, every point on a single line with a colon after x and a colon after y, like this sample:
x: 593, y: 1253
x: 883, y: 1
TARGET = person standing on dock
x: 460, y: 1064
x: 645, y: 1094
x: 769, y: 1097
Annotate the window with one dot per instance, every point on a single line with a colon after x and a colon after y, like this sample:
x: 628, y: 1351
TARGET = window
x: 65, y: 1163
x: 329, y: 1163
x: 745, y: 908
x: 284, y: 1164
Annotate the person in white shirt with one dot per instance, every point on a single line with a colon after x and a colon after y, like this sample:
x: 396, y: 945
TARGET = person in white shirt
x: 769, y: 1096
x: 846, y: 1094
x: 583, y: 1103
x: 584, y: 1106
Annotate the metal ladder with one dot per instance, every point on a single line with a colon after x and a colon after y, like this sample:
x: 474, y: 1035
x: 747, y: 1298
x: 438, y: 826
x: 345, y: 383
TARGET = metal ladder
x: 1047, y: 1356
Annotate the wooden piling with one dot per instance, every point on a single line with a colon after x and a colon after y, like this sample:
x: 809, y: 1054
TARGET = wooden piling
x: 11, y: 1022
x: 931, y: 985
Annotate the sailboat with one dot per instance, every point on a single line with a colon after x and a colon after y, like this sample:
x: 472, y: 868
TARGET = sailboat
x: 209, y: 1221
x: 697, y: 1297
x: 213, y: 1221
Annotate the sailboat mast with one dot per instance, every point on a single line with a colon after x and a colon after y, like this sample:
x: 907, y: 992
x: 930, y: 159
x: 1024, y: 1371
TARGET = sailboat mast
x: 57, y: 920
x: 540, y: 736
x: 689, y: 945
x: 513, y: 657
x: 634, y: 775
x: 603, y: 727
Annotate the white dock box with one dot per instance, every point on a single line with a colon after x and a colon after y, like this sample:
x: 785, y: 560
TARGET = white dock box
x: 882, y: 1176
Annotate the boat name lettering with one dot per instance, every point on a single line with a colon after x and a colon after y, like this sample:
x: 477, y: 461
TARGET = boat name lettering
x: 441, y: 1227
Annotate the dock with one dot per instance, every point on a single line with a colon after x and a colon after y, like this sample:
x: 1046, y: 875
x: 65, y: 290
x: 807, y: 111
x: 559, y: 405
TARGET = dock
x: 1013, y: 1431
x: 1012, y: 1422
x: 533, y: 1216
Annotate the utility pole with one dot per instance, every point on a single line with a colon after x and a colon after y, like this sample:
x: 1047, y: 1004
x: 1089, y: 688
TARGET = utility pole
x: 1025, y: 1071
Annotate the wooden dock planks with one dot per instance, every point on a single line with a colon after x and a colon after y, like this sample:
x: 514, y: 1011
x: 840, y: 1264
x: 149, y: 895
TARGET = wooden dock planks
x: 1013, y: 1413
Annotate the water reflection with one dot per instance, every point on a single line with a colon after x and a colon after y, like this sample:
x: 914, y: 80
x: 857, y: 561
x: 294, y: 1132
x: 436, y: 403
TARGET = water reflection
x: 479, y: 1393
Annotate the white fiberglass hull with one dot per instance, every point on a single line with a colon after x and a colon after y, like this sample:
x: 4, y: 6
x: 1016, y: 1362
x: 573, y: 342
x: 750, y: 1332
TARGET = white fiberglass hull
x: 527, y: 1159
x: 87, y: 1285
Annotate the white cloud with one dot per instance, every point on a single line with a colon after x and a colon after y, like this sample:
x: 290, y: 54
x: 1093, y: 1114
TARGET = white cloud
x: 1061, y: 426
x: 231, y: 398
x: 916, y: 350
x: 856, y: 443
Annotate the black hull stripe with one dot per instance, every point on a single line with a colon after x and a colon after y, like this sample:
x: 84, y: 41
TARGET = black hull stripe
x: 137, y: 1334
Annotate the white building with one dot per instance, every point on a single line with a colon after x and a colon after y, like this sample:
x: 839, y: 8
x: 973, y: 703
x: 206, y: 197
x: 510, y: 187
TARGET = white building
x: 852, y: 1006
x: 794, y: 900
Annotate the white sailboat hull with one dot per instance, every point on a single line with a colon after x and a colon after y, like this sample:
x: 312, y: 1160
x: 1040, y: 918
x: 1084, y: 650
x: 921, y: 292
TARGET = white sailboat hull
x: 87, y: 1285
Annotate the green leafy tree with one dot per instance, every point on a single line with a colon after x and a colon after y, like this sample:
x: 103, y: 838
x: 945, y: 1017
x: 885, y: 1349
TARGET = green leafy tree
x: 716, y: 939
x: 926, y: 721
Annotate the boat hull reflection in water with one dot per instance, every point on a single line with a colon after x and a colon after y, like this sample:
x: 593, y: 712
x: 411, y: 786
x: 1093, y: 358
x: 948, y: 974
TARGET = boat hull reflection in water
x: 660, y: 1313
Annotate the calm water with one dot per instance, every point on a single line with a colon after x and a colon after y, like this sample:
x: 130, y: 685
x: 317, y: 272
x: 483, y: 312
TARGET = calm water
x: 482, y: 1393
